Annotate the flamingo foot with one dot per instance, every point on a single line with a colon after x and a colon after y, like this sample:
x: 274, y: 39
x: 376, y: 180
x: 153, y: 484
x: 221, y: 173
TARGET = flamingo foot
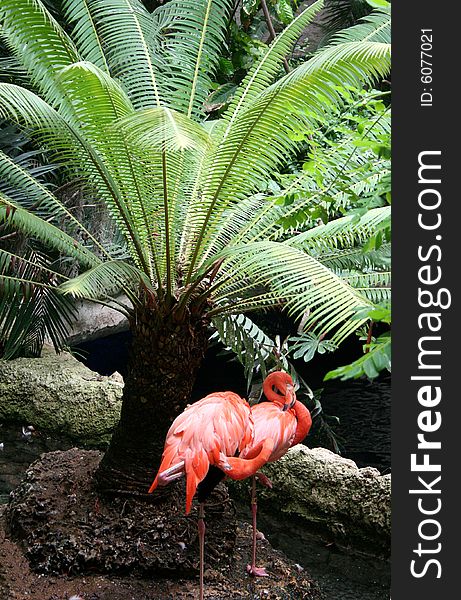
x: 257, y: 571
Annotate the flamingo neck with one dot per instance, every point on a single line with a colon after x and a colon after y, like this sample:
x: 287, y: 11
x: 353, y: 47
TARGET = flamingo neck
x: 269, y: 392
x: 241, y: 468
x: 304, y: 422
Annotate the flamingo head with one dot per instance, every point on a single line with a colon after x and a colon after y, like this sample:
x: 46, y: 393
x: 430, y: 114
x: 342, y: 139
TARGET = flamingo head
x: 278, y: 387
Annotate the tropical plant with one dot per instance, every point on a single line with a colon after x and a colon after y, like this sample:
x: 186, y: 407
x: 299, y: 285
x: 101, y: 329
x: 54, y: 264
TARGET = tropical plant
x: 31, y: 312
x: 118, y: 102
x: 340, y: 14
x: 282, y: 10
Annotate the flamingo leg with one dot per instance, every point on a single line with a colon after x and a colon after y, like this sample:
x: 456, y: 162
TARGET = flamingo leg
x: 201, y: 534
x: 253, y: 569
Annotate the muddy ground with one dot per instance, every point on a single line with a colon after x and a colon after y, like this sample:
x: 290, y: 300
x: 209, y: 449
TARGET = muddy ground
x: 46, y: 553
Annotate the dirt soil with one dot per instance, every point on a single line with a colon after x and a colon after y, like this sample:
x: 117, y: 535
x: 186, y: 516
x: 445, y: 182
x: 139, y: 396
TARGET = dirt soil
x: 58, y: 541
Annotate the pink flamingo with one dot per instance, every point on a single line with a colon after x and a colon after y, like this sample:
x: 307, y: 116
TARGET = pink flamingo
x: 205, y: 435
x: 286, y: 422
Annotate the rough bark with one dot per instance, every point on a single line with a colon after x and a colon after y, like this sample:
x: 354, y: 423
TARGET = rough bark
x: 165, y: 356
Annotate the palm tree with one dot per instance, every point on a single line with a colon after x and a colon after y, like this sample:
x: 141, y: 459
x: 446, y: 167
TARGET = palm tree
x: 116, y: 99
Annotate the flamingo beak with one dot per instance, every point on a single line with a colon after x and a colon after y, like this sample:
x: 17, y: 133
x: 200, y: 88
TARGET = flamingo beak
x: 290, y: 396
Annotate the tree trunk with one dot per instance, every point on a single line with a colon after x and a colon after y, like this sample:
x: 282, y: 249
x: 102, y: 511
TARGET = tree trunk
x: 164, y: 361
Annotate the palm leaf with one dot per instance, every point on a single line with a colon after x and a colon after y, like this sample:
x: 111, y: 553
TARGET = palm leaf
x: 358, y: 258
x: 48, y: 234
x: 31, y: 308
x: 344, y: 232
x: 375, y: 27
x: 18, y: 181
x: 38, y: 42
x: 106, y: 279
x: 281, y: 274
x: 264, y: 71
x: 191, y: 34
x: 50, y: 128
x: 125, y: 27
x: 263, y: 135
x: 84, y: 32
x: 375, y: 286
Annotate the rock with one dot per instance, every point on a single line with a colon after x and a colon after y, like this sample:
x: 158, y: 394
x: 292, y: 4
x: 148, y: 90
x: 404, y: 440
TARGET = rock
x: 95, y: 321
x: 330, y: 495
x: 58, y: 394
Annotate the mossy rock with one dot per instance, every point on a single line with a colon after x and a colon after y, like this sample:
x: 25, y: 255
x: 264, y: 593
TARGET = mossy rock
x: 58, y: 394
x: 329, y: 495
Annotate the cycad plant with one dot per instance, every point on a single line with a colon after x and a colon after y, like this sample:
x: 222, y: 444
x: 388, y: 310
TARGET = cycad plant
x: 116, y: 98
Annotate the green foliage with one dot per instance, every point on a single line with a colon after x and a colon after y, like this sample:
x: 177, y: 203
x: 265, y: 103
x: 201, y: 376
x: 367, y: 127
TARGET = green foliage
x: 31, y: 306
x: 376, y: 359
x: 118, y: 103
x: 280, y: 10
x: 348, y: 166
x: 307, y: 345
x: 344, y: 13
x: 246, y: 340
x: 191, y: 34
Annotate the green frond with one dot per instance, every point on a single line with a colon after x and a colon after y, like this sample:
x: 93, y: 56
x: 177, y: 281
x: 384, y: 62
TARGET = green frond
x: 375, y: 286
x: 97, y: 104
x: 297, y: 281
x: 255, y: 82
x: 125, y: 26
x: 167, y: 147
x: 375, y: 27
x: 84, y: 32
x: 80, y: 157
x: 93, y: 100
x: 307, y: 345
x: 46, y: 205
x: 191, y: 35
x: 377, y: 359
x: 9, y: 262
x: 344, y: 232
x: 262, y: 74
x: 11, y: 70
x: 245, y: 339
x: 106, y: 279
x: 332, y: 179
x: 358, y: 258
x: 262, y: 138
x: 30, y: 305
x: 38, y: 42
x: 164, y: 130
x: 48, y: 234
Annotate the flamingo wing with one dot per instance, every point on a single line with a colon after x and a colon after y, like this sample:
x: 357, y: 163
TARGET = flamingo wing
x: 273, y: 423
x: 206, y: 433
